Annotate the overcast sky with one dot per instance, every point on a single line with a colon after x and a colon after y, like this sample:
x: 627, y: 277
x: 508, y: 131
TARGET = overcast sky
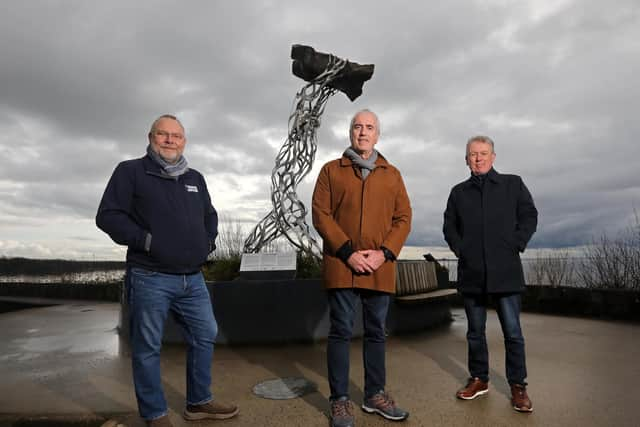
x: 553, y: 82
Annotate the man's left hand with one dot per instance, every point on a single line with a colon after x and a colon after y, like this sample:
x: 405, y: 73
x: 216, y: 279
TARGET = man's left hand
x: 373, y: 257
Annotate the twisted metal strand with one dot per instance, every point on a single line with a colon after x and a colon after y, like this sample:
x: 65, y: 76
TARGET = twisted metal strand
x: 293, y: 162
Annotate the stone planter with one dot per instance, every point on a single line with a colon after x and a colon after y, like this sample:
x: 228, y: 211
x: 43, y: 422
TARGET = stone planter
x: 620, y: 304
x: 280, y: 311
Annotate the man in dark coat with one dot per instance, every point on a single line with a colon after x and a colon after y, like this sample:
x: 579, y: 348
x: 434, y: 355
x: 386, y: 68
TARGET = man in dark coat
x: 489, y: 220
x: 161, y: 210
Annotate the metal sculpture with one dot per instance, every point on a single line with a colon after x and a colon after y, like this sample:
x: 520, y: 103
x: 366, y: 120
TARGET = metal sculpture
x: 325, y: 74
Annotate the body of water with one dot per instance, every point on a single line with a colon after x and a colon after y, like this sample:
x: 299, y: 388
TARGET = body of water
x: 79, y: 277
x: 569, y: 266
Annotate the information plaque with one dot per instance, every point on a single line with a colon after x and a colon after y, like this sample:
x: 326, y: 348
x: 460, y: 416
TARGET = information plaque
x: 265, y: 266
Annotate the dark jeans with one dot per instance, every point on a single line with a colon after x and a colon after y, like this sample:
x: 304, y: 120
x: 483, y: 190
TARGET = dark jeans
x: 508, y: 308
x: 342, y: 304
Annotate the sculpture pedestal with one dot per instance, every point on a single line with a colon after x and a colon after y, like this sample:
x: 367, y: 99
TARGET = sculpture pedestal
x: 281, y: 311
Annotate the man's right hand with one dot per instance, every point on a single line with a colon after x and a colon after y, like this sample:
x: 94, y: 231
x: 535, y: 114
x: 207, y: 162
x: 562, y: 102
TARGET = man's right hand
x: 358, y: 263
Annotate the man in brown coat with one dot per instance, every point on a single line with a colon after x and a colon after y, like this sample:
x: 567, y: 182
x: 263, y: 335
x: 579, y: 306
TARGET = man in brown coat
x: 362, y: 211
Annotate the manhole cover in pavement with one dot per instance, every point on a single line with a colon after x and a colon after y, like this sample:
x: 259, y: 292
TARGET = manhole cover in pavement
x: 284, y: 388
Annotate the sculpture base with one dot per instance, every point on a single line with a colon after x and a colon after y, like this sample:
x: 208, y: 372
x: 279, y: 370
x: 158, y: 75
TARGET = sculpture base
x: 281, y: 311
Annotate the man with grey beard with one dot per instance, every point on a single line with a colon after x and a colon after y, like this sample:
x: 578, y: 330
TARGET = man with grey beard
x: 161, y: 210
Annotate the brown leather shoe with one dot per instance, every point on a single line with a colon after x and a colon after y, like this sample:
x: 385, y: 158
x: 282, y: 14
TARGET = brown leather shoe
x: 160, y: 422
x: 211, y: 410
x: 475, y: 387
x: 519, y: 398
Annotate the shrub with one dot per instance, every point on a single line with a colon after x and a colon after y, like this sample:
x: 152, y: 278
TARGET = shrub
x: 552, y: 268
x: 609, y: 263
x: 613, y: 263
x: 222, y: 269
x: 309, y: 266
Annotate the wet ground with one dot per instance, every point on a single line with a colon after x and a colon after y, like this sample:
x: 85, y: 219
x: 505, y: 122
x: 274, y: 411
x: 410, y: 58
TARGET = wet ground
x: 65, y: 365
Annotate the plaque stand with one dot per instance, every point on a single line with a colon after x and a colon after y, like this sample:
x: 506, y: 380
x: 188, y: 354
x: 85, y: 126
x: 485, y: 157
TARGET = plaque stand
x: 268, y: 266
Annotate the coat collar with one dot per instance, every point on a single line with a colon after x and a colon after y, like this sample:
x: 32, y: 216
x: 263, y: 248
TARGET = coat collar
x: 492, y: 176
x: 150, y: 165
x: 381, y: 162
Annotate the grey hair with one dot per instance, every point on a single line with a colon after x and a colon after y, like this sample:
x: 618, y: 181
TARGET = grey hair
x: 480, y: 138
x: 366, y: 110
x: 164, y: 116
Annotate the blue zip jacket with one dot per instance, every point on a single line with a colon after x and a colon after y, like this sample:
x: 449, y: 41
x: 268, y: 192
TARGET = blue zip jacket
x: 140, y: 205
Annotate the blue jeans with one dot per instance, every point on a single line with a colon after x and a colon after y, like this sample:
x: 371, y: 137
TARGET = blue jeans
x: 508, y: 308
x: 151, y: 295
x: 342, y: 305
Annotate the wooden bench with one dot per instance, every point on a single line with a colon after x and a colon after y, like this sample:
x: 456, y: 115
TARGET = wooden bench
x: 417, y: 282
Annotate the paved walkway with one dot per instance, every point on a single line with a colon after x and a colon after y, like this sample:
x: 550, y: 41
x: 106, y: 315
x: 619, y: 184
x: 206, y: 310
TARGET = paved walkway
x: 66, y: 364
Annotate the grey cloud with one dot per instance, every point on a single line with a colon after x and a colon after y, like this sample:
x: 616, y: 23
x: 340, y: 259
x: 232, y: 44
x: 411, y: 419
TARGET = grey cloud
x: 552, y: 84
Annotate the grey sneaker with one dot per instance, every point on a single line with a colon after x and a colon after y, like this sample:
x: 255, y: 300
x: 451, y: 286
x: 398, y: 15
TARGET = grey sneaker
x: 163, y: 421
x: 382, y: 404
x: 341, y: 413
x: 210, y: 410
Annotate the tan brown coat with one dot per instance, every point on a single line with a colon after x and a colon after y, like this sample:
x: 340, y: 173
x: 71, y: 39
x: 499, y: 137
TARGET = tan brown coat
x: 371, y: 213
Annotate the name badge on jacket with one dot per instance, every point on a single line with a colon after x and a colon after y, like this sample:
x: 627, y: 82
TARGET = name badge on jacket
x: 191, y: 188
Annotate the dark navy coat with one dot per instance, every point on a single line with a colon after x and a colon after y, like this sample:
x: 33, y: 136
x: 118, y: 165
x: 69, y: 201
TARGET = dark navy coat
x: 487, y: 226
x: 177, y: 212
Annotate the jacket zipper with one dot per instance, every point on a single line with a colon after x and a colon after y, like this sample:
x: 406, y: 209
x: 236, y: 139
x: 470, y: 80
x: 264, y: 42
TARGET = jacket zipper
x: 185, y: 202
x: 483, y: 196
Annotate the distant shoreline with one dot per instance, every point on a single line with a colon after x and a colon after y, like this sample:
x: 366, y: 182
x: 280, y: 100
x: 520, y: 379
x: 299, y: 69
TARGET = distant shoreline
x: 39, y: 267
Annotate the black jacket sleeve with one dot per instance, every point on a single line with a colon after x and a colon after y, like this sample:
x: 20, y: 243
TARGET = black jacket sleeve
x: 527, y: 217
x: 210, y: 218
x: 451, y: 226
x: 114, y: 213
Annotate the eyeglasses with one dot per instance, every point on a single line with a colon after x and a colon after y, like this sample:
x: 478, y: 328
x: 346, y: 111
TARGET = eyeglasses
x: 165, y: 134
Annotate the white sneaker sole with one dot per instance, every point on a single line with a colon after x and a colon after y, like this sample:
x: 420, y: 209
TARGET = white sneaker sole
x: 478, y: 393
x: 525, y: 411
x: 369, y: 410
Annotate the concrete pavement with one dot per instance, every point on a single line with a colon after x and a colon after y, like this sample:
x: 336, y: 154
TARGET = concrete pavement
x: 65, y: 365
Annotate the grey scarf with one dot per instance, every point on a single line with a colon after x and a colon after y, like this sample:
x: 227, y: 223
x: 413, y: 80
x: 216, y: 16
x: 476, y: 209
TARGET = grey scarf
x: 365, y: 165
x: 173, y: 170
